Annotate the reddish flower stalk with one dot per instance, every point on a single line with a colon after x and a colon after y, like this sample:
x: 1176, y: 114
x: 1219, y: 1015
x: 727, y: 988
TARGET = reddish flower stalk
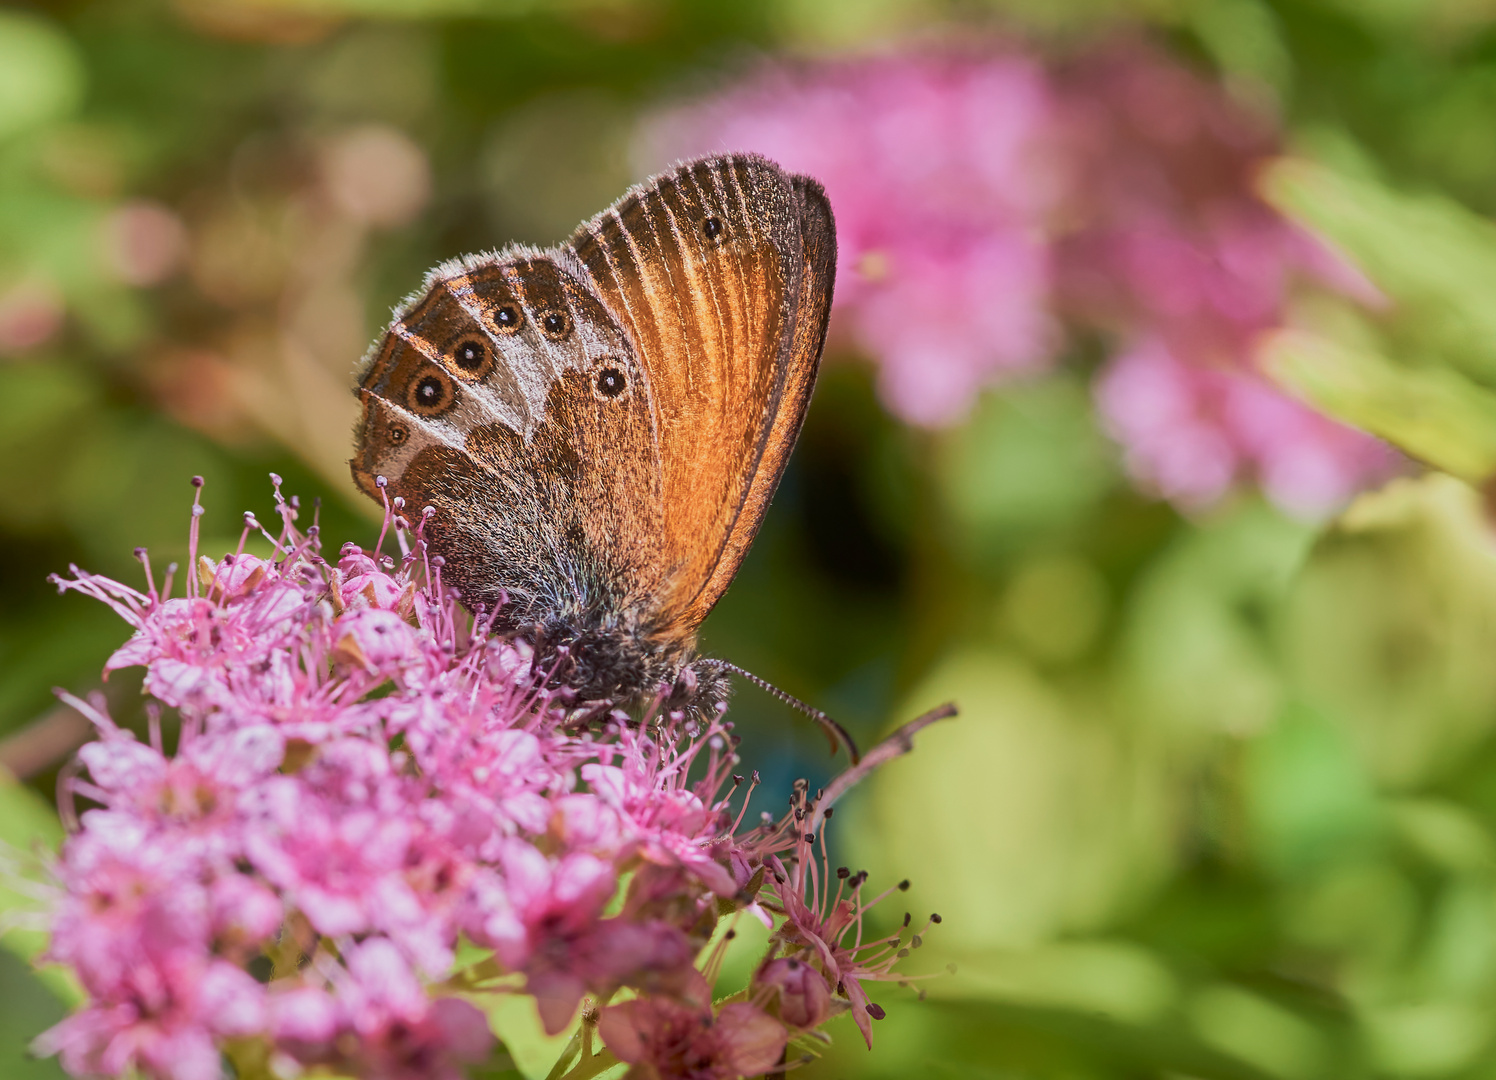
x: 364, y: 777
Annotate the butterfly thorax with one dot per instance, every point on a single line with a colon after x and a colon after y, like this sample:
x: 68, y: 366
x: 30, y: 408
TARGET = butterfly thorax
x: 593, y: 642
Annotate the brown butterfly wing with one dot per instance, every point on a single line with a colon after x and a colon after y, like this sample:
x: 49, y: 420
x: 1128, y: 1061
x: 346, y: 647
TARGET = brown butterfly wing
x: 597, y: 429
x: 483, y: 403
x: 721, y: 274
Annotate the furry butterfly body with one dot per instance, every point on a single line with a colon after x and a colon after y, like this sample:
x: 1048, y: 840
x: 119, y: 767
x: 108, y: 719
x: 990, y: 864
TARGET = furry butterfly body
x: 598, y: 428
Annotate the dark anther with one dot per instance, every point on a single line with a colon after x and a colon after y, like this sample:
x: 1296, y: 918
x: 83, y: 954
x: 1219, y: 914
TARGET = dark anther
x: 904, y: 885
x: 841, y: 988
x: 140, y: 553
x: 430, y: 392
x: 555, y: 324
x: 935, y: 919
x: 843, y: 873
x: 197, y: 481
x: 829, y: 809
x: 810, y: 838
x: 730, y: 935
x: 469, y: 355
x: 398, y: 434
x: 875, y: 1010
x: 611, y: 382
x: 507, y: 317
x: 907, y: 918
x: 712, y: 227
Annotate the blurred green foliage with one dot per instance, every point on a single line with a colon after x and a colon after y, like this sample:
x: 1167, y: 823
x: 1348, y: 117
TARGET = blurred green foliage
x: 1222, y: 800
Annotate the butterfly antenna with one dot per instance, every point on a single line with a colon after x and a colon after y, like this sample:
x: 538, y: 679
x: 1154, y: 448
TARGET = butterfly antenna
x: 834, y: 731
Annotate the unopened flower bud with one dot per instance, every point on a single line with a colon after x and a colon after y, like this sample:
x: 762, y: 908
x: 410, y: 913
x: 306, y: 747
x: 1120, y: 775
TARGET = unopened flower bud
x: 804, y: 997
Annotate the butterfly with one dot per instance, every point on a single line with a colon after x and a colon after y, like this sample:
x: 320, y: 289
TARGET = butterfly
x: 594, y: 430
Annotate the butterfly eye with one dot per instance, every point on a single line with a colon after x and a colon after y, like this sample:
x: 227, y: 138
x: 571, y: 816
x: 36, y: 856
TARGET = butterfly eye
x: 712, y: 228
x: 470, y: 356
x: 611, y: 382
x: 556, y: 324
x: 431, y: 395
x: 507, y: 317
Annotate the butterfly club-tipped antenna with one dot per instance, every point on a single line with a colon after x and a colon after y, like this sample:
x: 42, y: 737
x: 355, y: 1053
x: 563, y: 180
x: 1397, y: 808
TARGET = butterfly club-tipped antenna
x: 834, y: 731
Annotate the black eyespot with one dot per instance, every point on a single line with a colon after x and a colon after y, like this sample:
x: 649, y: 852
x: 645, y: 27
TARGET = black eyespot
x: 611, y: 382
x: 556, y: 324
x: 470, y: 355
x: 507, y: 317
x: 712, y: 227
x: 398, y: 434
x: 430, y: 393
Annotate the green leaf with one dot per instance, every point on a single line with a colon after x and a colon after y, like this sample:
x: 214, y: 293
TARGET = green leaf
x: 1435, y: 259
x: 41, y: 74
x: 1435, y: 414
x: 28, y: 828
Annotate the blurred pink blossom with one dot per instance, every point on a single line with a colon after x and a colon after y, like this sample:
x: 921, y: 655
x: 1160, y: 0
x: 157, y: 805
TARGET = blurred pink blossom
x: 938, y: 174
x: 1189, y: 433
x: 143, y: 242
x: 376, y: 175
x: 364, y: 777
x: 31, y: 312
x: 988, y: 203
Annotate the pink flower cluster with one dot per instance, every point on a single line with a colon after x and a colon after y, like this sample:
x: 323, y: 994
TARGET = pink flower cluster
x: 989, y: 205
x: 1191, y: 433
x: 367, y: 784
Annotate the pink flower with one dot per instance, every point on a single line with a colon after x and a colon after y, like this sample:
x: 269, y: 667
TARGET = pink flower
x: 380, y: 1022
x: 1190, y: 434
x: 823, y: 925
x: 402, y: 1032
x: 679, y: 1039
x: 558, y: 938
x: 804, y: 997
x: 364, y: 780
x: 171, y: 1038
x: 133, y: 913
